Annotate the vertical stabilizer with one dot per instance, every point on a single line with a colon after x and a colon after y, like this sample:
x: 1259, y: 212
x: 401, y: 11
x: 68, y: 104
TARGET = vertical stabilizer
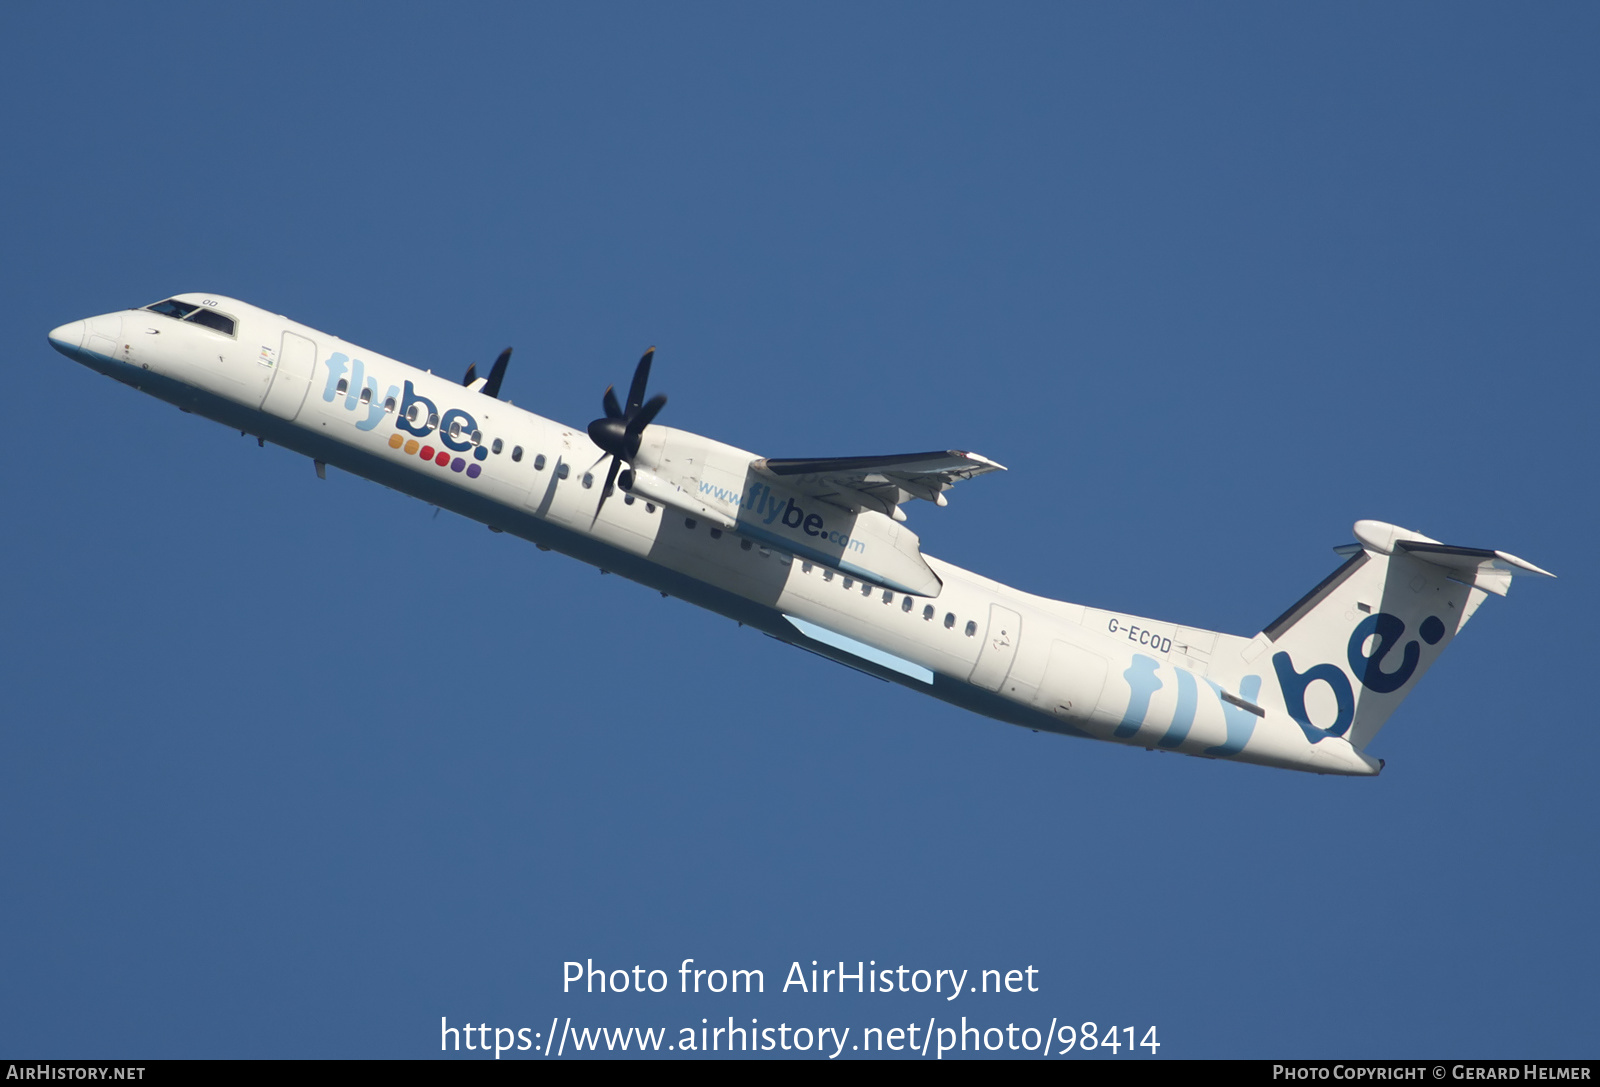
x: 1347, y: 653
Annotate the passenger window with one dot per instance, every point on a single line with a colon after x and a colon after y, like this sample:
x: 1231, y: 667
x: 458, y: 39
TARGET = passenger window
x: 516, y: 453
x: 477, y: 437
x: 343, y: 386
x: 866, y: 590
x: 388, y: 405
x: 496, y: 446
x: 215, y: 321
x: 849, y: 583
x: 716, y: 534
x: 949, y: 619
x: 745, y: 544
x: 927, y: 612
x: 905, y: 605
x: 649, y: 507
x: 366, y: 394
x: 827, y: 575
x: 563, y: 470
x: 972, y: 628
x: 455, y: 430
x: 627, y: 500
x: 538, y: 461
x: 805, y: 567
x: 414, y: 413
x: 433, y: 418
x: 588, y: 480
x: 888, y: 596
x: 688, y: 523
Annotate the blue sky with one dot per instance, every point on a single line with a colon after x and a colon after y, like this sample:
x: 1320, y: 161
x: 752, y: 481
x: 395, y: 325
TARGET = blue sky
x: 1214, y: 282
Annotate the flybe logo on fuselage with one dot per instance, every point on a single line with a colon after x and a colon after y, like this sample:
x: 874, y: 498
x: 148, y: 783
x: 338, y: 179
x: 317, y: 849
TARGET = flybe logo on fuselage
x: 764, y: 506
x: 414, y: 414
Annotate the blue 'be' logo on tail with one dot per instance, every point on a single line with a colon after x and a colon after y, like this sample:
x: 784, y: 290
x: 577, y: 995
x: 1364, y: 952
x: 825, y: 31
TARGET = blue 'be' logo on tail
x: 1388, y: 630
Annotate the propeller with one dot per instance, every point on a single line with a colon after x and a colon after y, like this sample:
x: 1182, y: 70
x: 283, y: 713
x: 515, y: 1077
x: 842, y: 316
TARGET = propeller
x: 497, y: 374
x: 618, y: 431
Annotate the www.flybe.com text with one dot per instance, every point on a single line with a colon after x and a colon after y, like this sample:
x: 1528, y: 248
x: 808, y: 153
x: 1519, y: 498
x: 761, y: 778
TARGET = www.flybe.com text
x: 766, y: 507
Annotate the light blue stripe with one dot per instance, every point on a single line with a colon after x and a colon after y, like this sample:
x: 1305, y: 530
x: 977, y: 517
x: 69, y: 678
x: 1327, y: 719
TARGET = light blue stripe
x: 861, y: 649
x: 1142, y: 683
x: 1183, y: 715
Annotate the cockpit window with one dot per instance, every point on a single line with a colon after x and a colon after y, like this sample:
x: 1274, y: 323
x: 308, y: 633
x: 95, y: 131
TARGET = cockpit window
x: 183, y: 311
x: 172, y: 308
x: 212, y: 319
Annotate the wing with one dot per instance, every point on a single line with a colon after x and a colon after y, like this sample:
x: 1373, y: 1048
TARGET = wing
x: 878, y: 483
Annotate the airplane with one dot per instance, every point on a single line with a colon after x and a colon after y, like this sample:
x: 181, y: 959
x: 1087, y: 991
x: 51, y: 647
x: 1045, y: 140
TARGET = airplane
x: 815, y: 551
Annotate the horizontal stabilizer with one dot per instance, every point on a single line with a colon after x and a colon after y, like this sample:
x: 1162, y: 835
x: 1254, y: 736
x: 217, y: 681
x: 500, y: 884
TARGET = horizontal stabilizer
x: 1491, y: 571
x: 1479, y: 567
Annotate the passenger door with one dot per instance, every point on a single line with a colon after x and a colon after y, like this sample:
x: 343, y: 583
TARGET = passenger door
x: 287, y: 393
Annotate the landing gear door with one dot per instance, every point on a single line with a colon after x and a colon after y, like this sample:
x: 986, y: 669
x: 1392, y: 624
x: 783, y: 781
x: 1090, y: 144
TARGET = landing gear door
x: 287, y: 392
x: 999, y: 648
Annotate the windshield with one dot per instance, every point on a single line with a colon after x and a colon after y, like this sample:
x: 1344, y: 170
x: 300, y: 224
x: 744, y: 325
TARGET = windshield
x: 184, y: 311
x: 172, y: 308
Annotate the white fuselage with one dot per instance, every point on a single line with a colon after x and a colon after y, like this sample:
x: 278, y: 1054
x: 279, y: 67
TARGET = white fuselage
x: 1020, y: 658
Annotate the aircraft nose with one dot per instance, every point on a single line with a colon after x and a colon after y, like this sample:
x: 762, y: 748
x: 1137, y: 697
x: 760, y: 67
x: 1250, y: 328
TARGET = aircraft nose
x: 68, y: 338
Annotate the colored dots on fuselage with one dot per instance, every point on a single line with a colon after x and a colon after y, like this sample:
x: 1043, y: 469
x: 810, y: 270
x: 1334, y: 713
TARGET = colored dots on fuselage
x: 441, y: 457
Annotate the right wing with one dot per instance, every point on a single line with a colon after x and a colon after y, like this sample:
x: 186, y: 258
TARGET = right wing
x: 878, y: 483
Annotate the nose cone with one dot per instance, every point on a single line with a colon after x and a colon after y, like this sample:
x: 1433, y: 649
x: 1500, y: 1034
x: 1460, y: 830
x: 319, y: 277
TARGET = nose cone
x: 68, y: 338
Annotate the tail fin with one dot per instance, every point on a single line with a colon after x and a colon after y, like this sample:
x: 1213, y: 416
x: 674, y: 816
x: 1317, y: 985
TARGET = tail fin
x: 1349, y: 651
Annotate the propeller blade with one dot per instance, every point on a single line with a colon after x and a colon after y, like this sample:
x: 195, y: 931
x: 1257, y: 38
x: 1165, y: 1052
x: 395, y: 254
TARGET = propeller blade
x: 605, y: 492
x: 611, y: 478
x: 646, y: 415
x: 472, y: 374
x: 497, y: 374
x: 613, y: 411
x: 641, y: 378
